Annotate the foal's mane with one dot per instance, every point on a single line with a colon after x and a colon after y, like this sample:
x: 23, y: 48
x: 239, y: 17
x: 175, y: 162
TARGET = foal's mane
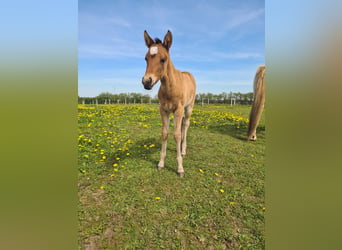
x: 157, y: 40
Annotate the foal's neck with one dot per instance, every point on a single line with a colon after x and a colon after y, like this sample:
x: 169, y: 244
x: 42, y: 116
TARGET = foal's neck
x: 168, y: 81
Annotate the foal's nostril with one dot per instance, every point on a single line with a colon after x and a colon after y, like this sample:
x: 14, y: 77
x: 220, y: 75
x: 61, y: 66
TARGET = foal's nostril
x: 147, y: 81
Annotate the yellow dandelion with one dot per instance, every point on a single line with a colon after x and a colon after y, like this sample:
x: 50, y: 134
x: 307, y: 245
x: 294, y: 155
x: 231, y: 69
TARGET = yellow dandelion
x: 115, y: 165
x: 231, y: 203
x: 112, y: 175
x: 216, y: 174
x: 86, y: 156
x: 264, y: 208
x: 104, y: 157
x: 201, y: 170
x: 252, y: 155
x: 115, y: 169
x: 157, y: 198
x: 101, y: 187
x: 152, y: 146
x: 127, y: 154
x: 221, y: 190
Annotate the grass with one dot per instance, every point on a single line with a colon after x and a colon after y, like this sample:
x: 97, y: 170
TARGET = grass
x: 126, y: 203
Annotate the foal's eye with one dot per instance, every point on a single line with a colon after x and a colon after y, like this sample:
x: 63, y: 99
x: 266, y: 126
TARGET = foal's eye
x: 145, y: 58
x: 162, y: 60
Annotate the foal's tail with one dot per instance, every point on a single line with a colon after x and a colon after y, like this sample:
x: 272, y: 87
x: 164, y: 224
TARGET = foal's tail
x: 258, y: 103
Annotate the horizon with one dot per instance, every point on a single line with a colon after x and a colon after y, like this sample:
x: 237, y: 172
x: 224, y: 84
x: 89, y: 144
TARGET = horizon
x: 155, y: 96
x: 220, y: 43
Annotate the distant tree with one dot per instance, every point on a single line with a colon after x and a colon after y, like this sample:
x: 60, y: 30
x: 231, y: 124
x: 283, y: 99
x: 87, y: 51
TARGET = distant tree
x: 146, y: 99
x: 135, y: 97
x: 209, y: 97
x: 104, y: 97
x: 201, y: 98
x: 249, y: 97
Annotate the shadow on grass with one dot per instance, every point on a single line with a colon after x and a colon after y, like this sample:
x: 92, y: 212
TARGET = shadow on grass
x: 237, y: 133
x: 147, y: 149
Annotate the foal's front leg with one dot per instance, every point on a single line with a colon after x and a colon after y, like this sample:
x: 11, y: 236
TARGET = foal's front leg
x: 178, y: 138
x: 165, y: 127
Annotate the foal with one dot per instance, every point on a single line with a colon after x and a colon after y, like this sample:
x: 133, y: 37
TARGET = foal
x: 176, y: 94
x: 258, y: 103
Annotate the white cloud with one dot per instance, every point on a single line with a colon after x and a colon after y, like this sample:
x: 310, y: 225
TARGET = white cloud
x: 243, y: 17
x: 237, y: 55
x: 113, y: 51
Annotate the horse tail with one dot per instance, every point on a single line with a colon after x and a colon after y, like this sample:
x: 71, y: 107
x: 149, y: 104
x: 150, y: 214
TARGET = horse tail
x: 258, y: 103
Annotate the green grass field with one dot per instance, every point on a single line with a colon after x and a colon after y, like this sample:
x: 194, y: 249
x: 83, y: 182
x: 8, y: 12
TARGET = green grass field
x: 126, y: 203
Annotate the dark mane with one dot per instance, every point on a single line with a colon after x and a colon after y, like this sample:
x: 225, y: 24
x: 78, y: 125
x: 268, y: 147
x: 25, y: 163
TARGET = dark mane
x: 157, y: 40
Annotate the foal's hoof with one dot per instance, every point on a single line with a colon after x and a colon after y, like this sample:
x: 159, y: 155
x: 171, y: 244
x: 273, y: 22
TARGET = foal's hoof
x: 160, y: 165
x: 252, y: 137
x: 181, y: 174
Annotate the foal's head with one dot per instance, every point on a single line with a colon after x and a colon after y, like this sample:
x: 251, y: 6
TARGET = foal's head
x: 157, y: 59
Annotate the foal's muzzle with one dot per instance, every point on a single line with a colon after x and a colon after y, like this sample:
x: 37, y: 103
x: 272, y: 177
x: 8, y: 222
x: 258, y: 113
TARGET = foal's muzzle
x: 147, y: 82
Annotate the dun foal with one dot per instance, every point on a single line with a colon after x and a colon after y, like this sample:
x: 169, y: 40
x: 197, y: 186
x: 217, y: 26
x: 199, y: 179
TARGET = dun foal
x: 258, y: 103
x: 176, y: 94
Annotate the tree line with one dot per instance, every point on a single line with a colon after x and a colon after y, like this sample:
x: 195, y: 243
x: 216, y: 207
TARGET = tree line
x: 138, y: 98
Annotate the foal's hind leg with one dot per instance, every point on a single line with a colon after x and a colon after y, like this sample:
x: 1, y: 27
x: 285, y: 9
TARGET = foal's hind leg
x: 185, y: 127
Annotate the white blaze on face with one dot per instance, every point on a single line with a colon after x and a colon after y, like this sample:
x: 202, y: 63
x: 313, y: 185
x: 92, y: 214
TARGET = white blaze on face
x: 153, y: 50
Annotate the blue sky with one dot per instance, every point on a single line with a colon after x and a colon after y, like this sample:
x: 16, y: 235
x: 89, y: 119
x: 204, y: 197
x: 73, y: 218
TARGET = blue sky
x: 220, y: 42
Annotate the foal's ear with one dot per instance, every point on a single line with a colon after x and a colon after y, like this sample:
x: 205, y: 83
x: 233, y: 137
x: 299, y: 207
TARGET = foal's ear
x: 167, y: 40
x: 148, y: 40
